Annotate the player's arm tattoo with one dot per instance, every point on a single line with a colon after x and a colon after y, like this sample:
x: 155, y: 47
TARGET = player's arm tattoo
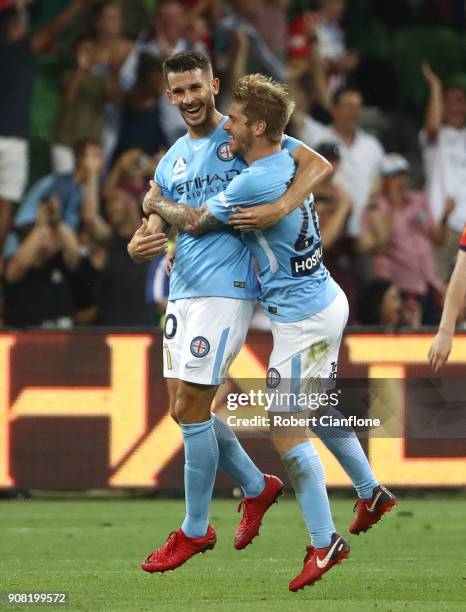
x: 206, y: 222
x: 194, y: 221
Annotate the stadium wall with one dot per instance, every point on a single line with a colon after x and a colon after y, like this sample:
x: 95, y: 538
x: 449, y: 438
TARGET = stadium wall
x: 88, y: 410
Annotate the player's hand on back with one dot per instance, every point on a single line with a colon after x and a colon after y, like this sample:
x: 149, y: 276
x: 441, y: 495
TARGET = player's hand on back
x: 256, y: 217
x: 145, y: 245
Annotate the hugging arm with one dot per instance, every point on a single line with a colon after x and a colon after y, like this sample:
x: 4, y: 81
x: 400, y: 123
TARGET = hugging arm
x: 194, y: 221
x: 311, y: 169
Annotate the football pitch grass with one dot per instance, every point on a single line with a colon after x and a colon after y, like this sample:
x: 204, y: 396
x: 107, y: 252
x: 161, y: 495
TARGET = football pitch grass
x: 91, y: 549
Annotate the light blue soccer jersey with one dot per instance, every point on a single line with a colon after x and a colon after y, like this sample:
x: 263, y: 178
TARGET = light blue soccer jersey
x: 217, y: 264
x: 294, y: 282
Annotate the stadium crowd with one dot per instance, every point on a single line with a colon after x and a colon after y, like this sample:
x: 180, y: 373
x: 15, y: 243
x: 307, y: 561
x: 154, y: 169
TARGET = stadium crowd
x: 84, y: 121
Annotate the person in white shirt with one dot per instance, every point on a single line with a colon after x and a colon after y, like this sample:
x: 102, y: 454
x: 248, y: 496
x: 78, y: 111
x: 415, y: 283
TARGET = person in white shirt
x: 443, y: 144
x: 361, y: 153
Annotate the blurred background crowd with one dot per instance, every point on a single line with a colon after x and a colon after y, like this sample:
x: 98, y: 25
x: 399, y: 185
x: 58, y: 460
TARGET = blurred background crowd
x: 379, y: 90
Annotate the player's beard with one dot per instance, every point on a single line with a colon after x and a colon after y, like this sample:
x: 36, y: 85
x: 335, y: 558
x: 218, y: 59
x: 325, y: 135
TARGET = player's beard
x: 240, y: 145
x: 202, y: 119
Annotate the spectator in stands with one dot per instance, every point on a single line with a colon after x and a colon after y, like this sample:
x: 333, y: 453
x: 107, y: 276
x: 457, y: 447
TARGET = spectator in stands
x: 317, y: 36
x: 53, y: 272
x: 272, y: 24
x: 228, y: 38
x: 94, y: 235
x: 443, y: 146
x: 141, y: 124
x: 302, y: 43
x: 109, y: 48
x: 68, y: 189
x: 124, y: 296
x: 332, y: 203
x: 406, y: 256
x: 380, y: 304
x: 337, y: 60
x: 17, y: 49
x: 333, y: 207
x: 117, y: 292
x: 198, y: 35
x: 202, y: 17
x: 361, y: 153
x: 132, y: 172
x: 92, y: 223
x: 39, y: 277
x: 167, y: 36
x: 310, y: 103
x: 208, y: 9
x: 86, y: 90
x: 110, y: 53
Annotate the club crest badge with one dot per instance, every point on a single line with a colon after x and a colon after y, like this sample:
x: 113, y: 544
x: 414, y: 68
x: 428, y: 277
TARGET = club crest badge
x: 199, y: 346
x: 224, y: 152
x: 273, y: 378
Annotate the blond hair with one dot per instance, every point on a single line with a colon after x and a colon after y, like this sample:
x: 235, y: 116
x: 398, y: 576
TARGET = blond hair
x: 264, y: 100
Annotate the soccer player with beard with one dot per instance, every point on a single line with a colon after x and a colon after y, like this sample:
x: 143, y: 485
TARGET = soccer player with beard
x: 308, y: 311
x: 213, y: 289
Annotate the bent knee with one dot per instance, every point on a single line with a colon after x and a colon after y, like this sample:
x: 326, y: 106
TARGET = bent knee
x: 192, y: 405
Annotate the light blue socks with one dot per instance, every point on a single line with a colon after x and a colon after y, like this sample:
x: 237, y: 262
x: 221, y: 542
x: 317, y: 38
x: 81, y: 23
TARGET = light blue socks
x: 307, y: 477
x: 345, y: 446
x: 234, y: 460
x: 201, y: 460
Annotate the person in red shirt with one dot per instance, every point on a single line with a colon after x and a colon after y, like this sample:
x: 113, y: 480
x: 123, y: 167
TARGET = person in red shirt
x: 320, y: 33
